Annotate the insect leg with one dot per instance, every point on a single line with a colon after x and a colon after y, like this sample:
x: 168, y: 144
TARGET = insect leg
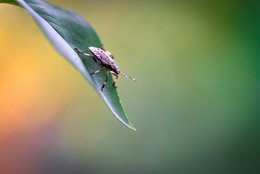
x: 116, y: 75
x: 95, y: 59
x: 97, y: 71
x: 79, y: 52
x: 114, y: 84
x: 105, y: 82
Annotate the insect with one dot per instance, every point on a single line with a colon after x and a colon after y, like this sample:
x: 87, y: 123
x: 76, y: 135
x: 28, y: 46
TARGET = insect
x: 106, y: 60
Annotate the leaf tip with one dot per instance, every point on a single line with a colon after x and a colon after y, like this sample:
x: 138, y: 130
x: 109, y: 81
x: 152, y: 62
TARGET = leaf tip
x: 130, y: 126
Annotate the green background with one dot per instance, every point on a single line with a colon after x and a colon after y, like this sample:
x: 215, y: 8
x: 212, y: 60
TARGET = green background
x: 196, y: 106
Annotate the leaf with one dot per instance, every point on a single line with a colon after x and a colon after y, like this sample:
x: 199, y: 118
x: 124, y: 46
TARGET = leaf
x: 9, y: 2
x: 67, y: 30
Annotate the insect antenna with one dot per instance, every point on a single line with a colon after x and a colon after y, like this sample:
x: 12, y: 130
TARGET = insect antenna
x: 128, y: 77
x: 79, y: 52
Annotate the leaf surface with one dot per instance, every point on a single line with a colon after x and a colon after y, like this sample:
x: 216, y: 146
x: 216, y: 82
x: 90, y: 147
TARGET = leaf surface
x: 67, y: 30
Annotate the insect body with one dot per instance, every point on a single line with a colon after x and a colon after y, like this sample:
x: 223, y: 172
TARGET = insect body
x: 106, y: 60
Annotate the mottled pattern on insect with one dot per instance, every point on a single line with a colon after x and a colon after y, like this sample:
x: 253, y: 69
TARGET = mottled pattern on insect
x: 106, y: 61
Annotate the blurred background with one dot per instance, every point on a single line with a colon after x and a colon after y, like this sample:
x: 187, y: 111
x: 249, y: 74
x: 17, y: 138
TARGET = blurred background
x: 196, y: 106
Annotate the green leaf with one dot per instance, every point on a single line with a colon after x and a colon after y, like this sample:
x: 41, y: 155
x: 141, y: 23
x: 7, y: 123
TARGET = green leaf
x: 9, y: 2
x: 67, y: 30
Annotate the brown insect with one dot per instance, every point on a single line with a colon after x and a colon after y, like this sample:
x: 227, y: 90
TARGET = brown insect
x: 105, y: 59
